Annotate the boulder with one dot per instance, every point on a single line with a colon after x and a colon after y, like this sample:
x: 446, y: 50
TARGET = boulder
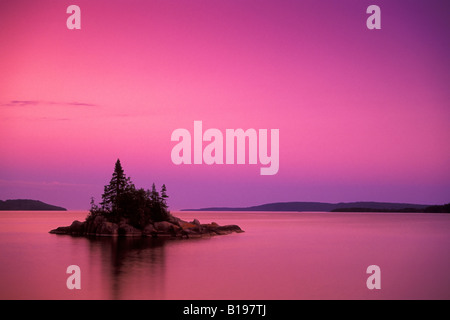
x: 107, y: 228
x: 77, y: 227
x: 229, y: 229
x: 166, y: 227
x: 93, y: 225
x: 128, y: 230
x: 175, y: 220
x: 61, y: 230
x: 192, y: 233
x: 149, y: 230
x: 187, y: 225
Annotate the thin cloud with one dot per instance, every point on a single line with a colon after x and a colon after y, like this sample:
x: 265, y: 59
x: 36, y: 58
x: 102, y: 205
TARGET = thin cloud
x: 26, y: 103
x: 20, y: 103
x: 83, y: 104
x: 46, y: 110
x: 46, y: 184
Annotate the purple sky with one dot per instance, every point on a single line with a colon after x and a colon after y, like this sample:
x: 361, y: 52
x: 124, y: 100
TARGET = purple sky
x: 363, y: 114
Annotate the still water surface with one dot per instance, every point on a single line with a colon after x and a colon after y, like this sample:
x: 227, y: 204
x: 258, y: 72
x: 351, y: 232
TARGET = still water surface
x: 280, y: 256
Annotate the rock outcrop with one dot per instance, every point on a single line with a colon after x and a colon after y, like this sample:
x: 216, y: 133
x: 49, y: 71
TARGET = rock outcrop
x: 100, y: 226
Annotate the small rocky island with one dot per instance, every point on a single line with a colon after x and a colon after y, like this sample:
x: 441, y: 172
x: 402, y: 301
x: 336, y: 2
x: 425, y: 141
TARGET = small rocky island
x: 127, y: 211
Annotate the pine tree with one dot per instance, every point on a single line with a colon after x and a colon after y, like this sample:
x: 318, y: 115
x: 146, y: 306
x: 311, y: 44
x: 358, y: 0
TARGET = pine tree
x: 154, y: 195
x: 164, y: 196
x: 118, y: 186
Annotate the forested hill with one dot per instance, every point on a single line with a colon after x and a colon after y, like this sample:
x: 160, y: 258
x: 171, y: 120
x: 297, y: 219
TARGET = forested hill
x: 317, y: 206
x: 28, y: 205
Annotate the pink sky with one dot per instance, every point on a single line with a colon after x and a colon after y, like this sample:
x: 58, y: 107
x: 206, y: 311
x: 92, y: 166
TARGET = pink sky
x: 363, y: 114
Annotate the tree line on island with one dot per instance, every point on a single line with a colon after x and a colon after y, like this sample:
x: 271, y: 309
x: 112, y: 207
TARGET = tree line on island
x: 122, y: 200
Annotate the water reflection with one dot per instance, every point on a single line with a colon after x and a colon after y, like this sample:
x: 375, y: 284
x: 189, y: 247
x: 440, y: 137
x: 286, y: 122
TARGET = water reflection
x: 132, y: 267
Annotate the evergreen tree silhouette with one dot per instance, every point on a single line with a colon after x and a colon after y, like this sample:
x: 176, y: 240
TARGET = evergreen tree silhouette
x: 164, y: 196
x: 122, y: 202
x: 117, y: 187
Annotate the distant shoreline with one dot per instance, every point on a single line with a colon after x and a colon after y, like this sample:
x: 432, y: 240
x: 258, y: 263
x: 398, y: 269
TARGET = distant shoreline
x: 335, y: 207
x: 27, y: 205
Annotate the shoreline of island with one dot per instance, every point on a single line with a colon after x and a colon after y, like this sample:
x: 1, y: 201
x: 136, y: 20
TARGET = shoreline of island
x: 172, y: 228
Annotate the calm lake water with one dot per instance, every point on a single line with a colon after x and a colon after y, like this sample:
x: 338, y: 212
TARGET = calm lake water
x: 280, y: 256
